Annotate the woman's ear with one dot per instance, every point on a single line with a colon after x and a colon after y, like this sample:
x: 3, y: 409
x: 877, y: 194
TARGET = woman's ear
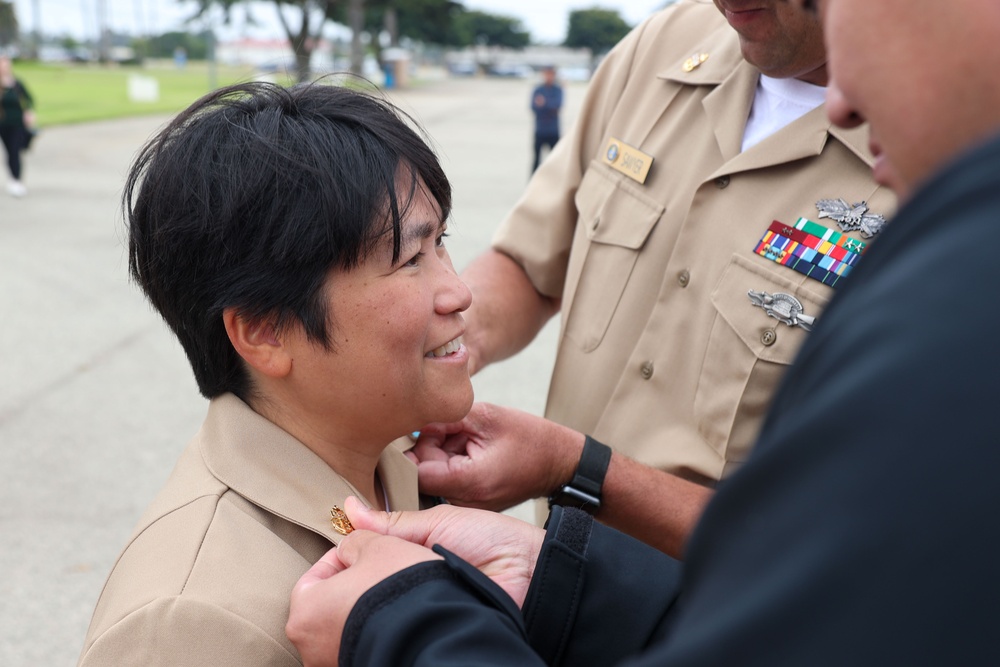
x: 257, y: 342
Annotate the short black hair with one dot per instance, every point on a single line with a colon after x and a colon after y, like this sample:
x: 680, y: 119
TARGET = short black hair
x: 248, y: 199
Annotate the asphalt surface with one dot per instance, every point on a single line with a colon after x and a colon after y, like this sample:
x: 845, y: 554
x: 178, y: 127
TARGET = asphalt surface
x: 96, y: 397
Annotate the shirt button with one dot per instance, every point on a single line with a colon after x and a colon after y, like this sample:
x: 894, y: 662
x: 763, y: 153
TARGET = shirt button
x: 646, y: 370
x: 769, y: 337
x: 684, y: 277
x: 722, y: 182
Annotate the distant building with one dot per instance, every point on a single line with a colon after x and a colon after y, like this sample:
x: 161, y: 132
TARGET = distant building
x: 271, y: 54
x: 571, y: 64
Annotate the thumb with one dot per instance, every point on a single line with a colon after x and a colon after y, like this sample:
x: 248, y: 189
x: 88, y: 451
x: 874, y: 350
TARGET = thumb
x: 413, y: 527
x: 364, y: 518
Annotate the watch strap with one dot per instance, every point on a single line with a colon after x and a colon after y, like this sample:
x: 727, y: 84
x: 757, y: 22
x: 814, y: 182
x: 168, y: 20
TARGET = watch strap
x: 584, y: 490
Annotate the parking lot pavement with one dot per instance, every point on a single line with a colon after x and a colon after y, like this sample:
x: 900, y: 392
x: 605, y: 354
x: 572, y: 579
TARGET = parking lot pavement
x: 96, y: 398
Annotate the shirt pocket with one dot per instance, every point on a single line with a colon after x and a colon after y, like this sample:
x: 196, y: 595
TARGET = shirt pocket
x: 747, y: 354
x: 617, y: 219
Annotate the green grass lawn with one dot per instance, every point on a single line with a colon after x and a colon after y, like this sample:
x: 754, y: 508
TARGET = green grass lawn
x: 75, y: 93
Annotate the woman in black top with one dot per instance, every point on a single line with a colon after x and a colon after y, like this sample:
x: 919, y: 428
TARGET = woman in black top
x: 16, y: 119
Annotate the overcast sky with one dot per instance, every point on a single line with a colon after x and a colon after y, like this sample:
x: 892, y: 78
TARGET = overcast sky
x: 545, y: 19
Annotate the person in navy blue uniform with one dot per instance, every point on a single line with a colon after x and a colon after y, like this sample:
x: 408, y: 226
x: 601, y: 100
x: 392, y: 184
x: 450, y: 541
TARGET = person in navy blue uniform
x: 861, y: 531
x: 546, y: 102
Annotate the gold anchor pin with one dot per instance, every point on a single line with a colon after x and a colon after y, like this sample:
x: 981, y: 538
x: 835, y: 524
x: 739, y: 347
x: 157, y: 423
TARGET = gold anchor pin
x: 694, y: 62
x: 339, y: 520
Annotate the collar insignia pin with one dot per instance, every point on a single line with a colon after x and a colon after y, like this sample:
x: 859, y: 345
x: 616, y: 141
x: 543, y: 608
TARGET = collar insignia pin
x: 694, y: 62
x: 339, y: 520
x: 851, y: 217
x: 782, y: 307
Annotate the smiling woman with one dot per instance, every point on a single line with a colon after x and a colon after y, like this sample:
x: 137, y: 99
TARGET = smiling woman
x: 293, y: 240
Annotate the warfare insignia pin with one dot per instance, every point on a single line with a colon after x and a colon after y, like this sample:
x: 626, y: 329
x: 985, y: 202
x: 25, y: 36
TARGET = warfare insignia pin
x: 851, y: 217
x: 694, y: 62
x: 339, y: 521
x: 782, y: 307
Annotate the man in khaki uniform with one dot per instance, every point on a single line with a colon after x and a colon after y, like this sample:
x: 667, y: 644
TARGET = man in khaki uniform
x: 688, y: 182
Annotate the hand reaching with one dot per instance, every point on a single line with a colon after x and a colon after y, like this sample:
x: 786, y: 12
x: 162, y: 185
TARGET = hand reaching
x: 495, y: 458
x: 501, y: 547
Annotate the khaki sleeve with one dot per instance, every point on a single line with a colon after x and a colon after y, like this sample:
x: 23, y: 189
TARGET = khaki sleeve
x: 539, y: 231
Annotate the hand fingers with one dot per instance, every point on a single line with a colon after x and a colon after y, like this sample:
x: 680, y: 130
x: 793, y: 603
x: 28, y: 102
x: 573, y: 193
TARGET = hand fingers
x: 440, y: 429
x: 457, y: 443
x: 327, y: 566
x: 441, y: 478
x: 353, y: 544
x: 427, y: 449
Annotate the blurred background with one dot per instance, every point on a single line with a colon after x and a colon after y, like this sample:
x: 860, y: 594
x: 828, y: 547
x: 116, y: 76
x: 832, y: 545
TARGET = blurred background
x: 76, y: 50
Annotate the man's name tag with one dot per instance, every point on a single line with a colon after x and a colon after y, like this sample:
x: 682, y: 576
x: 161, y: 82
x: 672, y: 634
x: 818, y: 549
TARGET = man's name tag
x: 628, y: 160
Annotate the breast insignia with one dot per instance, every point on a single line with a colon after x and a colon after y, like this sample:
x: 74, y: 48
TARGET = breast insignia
x: 851, y: 217
x: 782, y: 307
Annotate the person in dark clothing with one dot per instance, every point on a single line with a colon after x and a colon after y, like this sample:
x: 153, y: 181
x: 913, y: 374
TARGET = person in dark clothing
x: 546, y: 101
x: 862, y: 529
x: 16, y: 122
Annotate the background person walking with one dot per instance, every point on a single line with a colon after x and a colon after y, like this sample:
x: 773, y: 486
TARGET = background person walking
x: 546, y: 101
x: 16, y: 121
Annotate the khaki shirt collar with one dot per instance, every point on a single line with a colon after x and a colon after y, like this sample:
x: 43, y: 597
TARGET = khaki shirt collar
x: 736, y: 79
x: 723, y: 49
x: 270, y: 468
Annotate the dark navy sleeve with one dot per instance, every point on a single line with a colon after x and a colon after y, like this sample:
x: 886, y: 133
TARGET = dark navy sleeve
x: 597, y: 595
x: 440, y: 614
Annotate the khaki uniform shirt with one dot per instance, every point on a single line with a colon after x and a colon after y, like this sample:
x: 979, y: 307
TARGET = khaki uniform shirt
x: 661, y: 353
x: 206, y: 576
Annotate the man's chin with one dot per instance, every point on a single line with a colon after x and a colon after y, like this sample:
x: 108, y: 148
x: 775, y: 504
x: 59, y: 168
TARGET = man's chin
x: 886, y: 174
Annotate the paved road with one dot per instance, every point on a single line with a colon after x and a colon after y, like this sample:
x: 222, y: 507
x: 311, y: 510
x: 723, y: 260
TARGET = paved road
x: 96, y: 399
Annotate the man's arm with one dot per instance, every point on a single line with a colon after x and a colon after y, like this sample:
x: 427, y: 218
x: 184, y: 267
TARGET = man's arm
x: 498, y: 457
x: 507, y: 311
x: 653, y: 506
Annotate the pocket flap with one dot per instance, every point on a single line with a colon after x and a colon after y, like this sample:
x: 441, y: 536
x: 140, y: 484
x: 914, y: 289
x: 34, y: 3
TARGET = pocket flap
x: 615, y: 213
x: 749, y: 321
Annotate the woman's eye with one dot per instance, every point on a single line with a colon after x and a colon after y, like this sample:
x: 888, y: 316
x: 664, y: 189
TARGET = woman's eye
x: 439, y: 241
x: 415, y: 260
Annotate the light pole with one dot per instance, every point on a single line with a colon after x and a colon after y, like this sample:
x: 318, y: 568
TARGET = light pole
x: 36, y: 19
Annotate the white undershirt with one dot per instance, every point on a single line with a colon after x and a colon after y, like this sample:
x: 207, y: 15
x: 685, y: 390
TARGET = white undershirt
x: 777, y: 103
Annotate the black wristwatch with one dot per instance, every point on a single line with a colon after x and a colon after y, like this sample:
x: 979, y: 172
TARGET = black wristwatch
x: 584, y: 490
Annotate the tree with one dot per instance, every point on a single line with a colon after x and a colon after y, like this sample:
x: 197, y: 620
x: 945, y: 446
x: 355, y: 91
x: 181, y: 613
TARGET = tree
x: 475, y: 27
x: 427, y: 21
x: 303, y: 34
x: 8, y: 25
x: 595, y: 29
x: 165, y: 45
